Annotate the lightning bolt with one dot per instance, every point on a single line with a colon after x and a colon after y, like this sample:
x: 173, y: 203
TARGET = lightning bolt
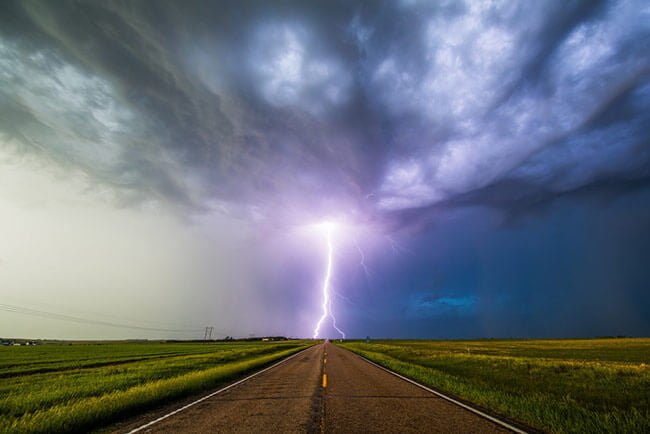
x: 327, y: 302
x: 362, y: 264
x: 343, y: 297
x: 397, y: 249
x: 334, y: 321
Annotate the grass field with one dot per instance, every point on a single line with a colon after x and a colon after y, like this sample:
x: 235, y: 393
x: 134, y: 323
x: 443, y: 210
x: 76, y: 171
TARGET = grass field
x: 74, y: 388
x: 586, y: 386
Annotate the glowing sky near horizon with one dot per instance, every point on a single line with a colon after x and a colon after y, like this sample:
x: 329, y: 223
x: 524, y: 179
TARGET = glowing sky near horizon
x: 488, y: 160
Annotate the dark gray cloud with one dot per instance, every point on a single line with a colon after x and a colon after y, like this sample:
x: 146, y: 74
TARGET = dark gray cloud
x: 296, y: 109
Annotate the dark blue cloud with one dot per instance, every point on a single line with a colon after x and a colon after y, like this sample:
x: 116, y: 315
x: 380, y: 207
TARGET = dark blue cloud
x: 579, y: 268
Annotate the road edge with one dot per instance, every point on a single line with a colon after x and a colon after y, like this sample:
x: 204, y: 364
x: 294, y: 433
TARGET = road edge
x: 216, y: 392
x: 445, y: 397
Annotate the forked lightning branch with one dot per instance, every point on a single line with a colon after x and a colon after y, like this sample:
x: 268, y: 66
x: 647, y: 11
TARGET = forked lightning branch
x: 327, y: 228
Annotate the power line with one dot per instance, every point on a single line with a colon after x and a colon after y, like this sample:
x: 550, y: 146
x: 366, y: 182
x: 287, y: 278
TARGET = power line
x: 69, y: 318
x: 86, y: 313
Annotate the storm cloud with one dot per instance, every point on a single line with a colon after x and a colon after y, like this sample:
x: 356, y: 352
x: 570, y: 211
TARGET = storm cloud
x: 372, y: 109
x: 393, y: 114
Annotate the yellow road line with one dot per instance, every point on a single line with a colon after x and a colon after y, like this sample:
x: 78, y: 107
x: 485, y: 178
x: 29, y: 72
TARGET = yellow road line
x: 324, y: 380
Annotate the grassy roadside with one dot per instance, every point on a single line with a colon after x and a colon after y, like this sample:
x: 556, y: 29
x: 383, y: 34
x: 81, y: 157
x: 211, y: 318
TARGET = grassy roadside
x: 83, y: 399
x: 599, y: 385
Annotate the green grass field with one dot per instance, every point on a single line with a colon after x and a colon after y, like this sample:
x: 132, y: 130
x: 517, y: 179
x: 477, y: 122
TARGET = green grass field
x: 73, y: 388
x: 586, y: 386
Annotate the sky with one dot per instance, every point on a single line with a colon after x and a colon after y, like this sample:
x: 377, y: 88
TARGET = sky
x: 167, y: 166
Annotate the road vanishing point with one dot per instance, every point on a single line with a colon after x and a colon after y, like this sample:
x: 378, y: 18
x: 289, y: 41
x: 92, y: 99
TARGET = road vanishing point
x: 323, y: 389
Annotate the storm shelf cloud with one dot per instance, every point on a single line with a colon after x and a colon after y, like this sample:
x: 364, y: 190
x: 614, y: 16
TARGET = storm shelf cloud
x: 420, y: 119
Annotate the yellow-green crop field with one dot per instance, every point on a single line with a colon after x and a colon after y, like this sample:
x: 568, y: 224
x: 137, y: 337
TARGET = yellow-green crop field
x: 577, y: 386
x: 79, y: 387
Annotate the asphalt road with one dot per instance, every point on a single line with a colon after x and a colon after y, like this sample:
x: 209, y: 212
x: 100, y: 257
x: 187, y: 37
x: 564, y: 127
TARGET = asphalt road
x: 357, y: 398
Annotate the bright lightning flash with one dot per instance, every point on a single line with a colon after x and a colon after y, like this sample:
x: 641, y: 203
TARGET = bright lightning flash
x: 327, y: 228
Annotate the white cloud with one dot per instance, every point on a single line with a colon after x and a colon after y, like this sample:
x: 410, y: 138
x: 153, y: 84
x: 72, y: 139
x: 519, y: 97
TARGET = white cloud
x: 293, y: 70
x: 472, y: 131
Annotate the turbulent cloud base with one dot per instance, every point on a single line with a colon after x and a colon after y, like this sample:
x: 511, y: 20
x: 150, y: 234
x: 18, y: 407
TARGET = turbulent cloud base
x: 373, y: 109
